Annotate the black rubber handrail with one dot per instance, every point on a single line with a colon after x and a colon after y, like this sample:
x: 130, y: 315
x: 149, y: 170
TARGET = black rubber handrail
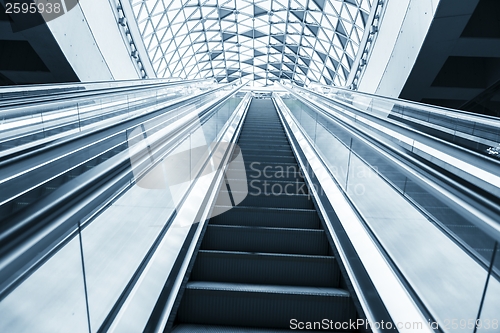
x: 58, y: 97
x: 367, y: 289
x: 414, y: 126
x: 14, y: 157
x: 110, y: 138
x: 460, y: 187
x: 33, y: 235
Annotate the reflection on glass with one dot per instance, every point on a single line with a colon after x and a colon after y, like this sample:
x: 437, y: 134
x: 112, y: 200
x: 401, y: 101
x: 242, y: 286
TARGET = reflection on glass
x: 471, y: 131
x: 52, y: 299
x: 117, y: 241
x: 489, y: 319
x: 42, y: 119
x: 445, y: 269
x: 334, y: 152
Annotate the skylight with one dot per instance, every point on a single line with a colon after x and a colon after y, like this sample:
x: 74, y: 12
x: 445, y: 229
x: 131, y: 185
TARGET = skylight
x: 262, y: 40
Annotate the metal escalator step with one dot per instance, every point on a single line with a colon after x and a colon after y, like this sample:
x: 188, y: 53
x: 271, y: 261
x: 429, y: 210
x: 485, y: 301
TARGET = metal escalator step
x: 270, y: 174
x: 268, y: 134
x: 257, y: 187
x: 190, y: 328
x: 251, y: 171
x: 257, y: 131
x: 264, y: 306
x: 262, y: 119
x: 275, y: 197
x: 264, y: 135
x: 259, y: 118
x: 264, y: 239
x: 256, y: 166
x: 267, y: 170
x: 263, y: 145
x: 263, y: 139
x: 268, y: 158
x: 266, y: 268
x: 267, y: 217
x: 249, y: 162
x: 267, y: 260
x: 280, y: 152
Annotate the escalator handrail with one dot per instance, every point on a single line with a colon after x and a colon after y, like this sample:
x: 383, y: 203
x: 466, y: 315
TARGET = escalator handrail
x: 484, y: 221
x: 334, y: 103
x: 380, y: 287
x: 480, y: 118
x: 59, y: 97
x: 16, y: 156
x: 478, y: 169
x: 483, y: 175
x: 57, y: 208
x: 168, y: 295
x: 34, y: 113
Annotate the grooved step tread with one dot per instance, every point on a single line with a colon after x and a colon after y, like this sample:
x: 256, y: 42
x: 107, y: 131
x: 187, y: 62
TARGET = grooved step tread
x: 265, y: 239
x: 277, y: 197
x: 259, y: 152
x: 270, y: 306
x: 266, y: 268
x: 267, y: 217
x: 255, y: 185
x: 267, y: 259
x: 271, y: 174
x: 268, y: 289
x: 189, y: 328
x: 249, y: 163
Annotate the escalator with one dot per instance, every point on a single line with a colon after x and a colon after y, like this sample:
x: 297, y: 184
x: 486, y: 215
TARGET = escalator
x: 45, y: 168
x: 200, y: 258
x: 48, y: 192
x: 265, y: 264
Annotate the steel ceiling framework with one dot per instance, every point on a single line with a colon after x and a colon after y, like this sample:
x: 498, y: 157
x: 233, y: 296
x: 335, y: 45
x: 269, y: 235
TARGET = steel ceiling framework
x: 261, y: 40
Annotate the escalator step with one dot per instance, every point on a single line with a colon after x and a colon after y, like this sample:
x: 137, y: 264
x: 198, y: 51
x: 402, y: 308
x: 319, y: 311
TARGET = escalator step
x: 257, y: 187
x: 266, y: 268
x: 212, y: 303
x: 257, y: 130
x: 266, y: 152
x: 282, y: 141
x: 276, y: 173
x: 189, y: 328
x: 276, y: 197
x: 280, y: 162
x: 276, y: 158
x: 263, y: 146
x: 263, y: 239
x: 263, y: 134
x: 266, y: 260
x: 267, y: 217
x: 260, y: 123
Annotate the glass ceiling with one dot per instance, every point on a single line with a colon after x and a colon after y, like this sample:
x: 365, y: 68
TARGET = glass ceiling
x: 261, y: 40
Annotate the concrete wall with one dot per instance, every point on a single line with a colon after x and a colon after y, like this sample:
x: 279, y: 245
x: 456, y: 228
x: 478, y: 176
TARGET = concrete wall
x: 90, y: 38
x: 401, y: 33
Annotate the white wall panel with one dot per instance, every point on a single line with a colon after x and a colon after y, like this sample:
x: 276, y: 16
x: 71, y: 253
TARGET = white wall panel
x: 89, y: 37
x: 401, y: 34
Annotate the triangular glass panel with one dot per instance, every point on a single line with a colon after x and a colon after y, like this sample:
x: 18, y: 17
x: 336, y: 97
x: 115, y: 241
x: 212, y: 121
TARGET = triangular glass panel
x: 258, y: 11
